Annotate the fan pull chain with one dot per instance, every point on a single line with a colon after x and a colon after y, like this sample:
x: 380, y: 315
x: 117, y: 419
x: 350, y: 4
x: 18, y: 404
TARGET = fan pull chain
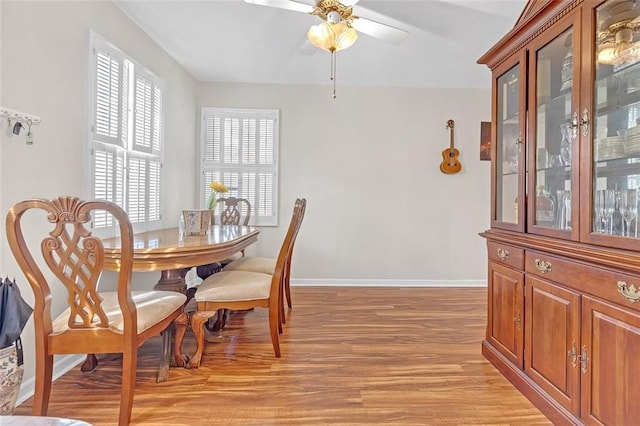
x: 333, y: 72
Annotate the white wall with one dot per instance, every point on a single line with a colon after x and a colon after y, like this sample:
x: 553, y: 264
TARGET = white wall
x: 368, y: 162
x: 44, y: 48
x: 379, y: 209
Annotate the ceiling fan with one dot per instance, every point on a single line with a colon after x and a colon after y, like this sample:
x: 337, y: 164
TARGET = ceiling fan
x: 339, y: 28
x: 339, y: 12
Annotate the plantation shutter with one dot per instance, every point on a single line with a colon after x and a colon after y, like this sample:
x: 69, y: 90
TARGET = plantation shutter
x: 126, y: 136
x: 239, y: 149
x: 108, y: 166
x: 148, y: 113
x: 109, y: 96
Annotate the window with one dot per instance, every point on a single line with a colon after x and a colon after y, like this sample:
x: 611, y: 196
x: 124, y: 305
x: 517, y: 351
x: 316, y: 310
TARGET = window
x: 126, y: 136
x: 239, y: 147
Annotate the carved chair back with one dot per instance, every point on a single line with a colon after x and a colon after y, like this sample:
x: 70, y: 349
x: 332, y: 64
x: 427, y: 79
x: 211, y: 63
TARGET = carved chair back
x: 234, y: 211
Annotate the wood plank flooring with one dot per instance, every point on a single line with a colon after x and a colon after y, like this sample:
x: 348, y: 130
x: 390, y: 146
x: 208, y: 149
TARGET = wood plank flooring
x: 350, y: 356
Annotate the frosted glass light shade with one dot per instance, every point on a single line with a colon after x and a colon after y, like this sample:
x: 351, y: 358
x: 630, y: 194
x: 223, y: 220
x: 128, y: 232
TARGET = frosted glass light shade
x: 332, y: 36
x: 607, y: 54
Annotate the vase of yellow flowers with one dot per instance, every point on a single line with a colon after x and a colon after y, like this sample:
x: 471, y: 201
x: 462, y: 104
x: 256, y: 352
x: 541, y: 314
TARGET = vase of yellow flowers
x: 216, y: 188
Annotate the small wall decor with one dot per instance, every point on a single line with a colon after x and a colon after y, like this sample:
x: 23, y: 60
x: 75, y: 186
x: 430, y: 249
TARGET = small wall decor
x: 17, y: 120
x: 485, y: 141
x: 450, y: 163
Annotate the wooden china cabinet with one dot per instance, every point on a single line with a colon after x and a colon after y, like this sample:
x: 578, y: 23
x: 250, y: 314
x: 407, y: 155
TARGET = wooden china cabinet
x: 564, y: 244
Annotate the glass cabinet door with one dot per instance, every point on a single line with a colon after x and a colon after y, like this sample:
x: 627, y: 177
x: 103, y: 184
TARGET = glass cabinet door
x: 615, y: 153
x: 553, y: 148
x: 509, y: 153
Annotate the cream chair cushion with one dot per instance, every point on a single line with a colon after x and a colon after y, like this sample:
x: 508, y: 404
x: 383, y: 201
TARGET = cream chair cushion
x: 234, y: 286
x: 152, y: 307
x: 265, y: 265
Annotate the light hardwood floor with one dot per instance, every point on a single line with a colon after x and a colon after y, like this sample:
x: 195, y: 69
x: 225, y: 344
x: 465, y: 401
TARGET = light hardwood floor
x: 355, y: 356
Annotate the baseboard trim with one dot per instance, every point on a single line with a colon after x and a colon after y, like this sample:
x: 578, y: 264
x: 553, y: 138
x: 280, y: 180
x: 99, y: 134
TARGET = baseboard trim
x: 61, y: 365
x: 347, y: 282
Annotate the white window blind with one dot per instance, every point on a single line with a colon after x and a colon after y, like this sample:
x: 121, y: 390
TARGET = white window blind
x: 240, y: 149
x: 126, y: 136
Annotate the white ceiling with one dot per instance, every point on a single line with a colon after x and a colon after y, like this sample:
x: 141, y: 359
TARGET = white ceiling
x: 232, y: 41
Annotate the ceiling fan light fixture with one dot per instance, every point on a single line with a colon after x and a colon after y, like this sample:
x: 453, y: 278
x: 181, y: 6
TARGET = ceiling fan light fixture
x: 332, y: 36
x: 618, y: 37
x: 607, y: 53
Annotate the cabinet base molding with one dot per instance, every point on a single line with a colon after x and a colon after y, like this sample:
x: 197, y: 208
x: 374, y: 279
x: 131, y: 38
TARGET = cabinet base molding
x: 557, y: 414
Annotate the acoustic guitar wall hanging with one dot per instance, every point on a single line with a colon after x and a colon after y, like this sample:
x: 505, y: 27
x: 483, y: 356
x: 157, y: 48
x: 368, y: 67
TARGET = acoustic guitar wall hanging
x: 450, y: 163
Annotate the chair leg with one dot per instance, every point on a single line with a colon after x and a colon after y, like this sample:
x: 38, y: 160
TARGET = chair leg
x: 281, y: 315
x: 163, y: 370
x: 42, y: 392
x: 287, y: 287
x: 274, y: 322
x: 129, y: 365
x: 197, y: 326
x: 181, y: 329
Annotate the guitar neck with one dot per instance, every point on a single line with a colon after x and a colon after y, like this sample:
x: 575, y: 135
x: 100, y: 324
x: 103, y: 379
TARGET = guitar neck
x: 450, y: 126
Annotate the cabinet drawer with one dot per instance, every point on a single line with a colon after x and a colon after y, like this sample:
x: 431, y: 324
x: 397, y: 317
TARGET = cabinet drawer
x: 616, y: 287
x: 506, y: 254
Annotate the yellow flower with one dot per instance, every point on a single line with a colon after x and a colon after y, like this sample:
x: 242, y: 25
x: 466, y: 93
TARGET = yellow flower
x: 219, y: 187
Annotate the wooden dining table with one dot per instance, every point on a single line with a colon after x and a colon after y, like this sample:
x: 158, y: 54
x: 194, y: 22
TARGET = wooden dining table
x: 170, y: 251
x: 173, y: 253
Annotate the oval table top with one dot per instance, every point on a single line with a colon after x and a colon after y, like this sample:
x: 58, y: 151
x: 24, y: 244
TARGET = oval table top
x: 166, y: 249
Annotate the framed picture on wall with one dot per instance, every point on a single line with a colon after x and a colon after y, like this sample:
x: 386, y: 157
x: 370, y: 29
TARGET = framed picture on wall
x: 485, y: 141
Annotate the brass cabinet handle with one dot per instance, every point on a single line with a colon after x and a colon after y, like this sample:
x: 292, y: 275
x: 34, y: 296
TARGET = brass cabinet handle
x: 503, y: 254
x: 543, y: 266
x: 629, y: 291
x: 573, y: 355
x: 584, y: 123
x: 584, y: 359
x: 518, y: 321
x: 574, y: 125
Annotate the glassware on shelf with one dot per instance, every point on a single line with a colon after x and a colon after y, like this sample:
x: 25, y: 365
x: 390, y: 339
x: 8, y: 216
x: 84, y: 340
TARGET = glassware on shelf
x: 555, y: 160
x: 609, y: 203
x: 563, y: 217
x: 629, y: 210
x: 565, y: 143
x: 567, y: 71
x: 599, y: 214
x: 545, y: 207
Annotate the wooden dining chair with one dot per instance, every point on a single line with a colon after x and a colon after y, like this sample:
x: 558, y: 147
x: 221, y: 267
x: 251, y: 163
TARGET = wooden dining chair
x: 266, y: 265
x: 94, y: 322
x: 239, y: 290
x: 234, y: 211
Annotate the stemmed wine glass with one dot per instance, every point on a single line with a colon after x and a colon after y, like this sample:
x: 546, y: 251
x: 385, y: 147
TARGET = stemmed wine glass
x: 628, y: 208
x: 599, y: 219
x: 609, y: 203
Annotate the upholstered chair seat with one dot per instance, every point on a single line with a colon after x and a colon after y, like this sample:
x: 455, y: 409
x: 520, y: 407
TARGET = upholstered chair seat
x: 151, y: 307
x: 237, y: 285
x: 266, y: 265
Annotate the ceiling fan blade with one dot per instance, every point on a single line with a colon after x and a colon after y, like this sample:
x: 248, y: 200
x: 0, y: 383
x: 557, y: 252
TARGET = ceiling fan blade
x: 284, y: 4
x: 382, y: 31
x: 349, y: 2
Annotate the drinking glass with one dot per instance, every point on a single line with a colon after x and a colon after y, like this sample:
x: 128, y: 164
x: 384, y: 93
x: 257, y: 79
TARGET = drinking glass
x: 599, y: 219
x: 628, y: 208
x: 609, y: 199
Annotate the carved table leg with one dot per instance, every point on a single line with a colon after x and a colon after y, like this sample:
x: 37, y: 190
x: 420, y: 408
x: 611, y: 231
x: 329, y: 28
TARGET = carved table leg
x: 173, y: 280
x: 181, y: 360
x: 197, y: 326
